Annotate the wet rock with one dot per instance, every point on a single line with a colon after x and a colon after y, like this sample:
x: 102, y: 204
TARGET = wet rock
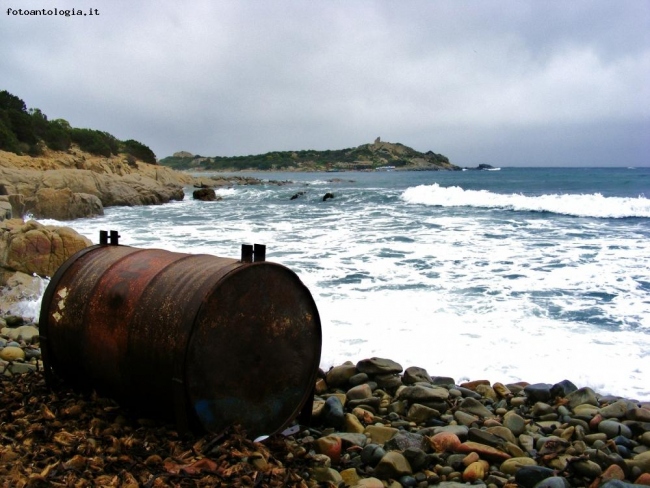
x: 380, y: 434
x: 465, y: 419
x: 359, y: 392
x: 616, y: 410
x: 372, y: 454
x: 586, y: 468
x: 514, y: 422
x: 378, y: 366
x: 612, y: 428
x: 529, y: 476
x: 392, y: 465
x: 12, y: 353
x: 538, y: 392
x: 415, y: 374
x: 562, y: 389
x: 582, y: 396
x: 420, y: 413
x: 484, y: 451
x: 205, y: 195
x: 404, y: 440
x: 477, y: 470
x: 330, y: 446
x: 358, y: 379
x: 333, y: 413
x: 511, y: 466
x: 444, y: 442
x: 474, y: 407
x: 422, y: 394
x: 388, y: 381
x: 27, y: 333
x: 340, y: 375
x: 554, y: 482
x: 416, y: 457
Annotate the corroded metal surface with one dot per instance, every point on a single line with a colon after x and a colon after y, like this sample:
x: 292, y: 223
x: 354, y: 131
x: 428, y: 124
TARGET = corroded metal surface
x: 208, y: 341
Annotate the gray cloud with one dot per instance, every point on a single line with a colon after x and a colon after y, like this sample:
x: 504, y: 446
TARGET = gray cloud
x: 513, y: 82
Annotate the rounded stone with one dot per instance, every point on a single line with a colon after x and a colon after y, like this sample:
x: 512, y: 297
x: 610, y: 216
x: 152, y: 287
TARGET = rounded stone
x: 539, y: 392
x: 369, y: 483
x: 529, y: 476
x: 417, y: 458
x: 587, y: 468
x: 392, y: 465
x: 515, y: 423
x: 474, y: 407
x: 612, y: 428
x: 510, y: 466
x: 617, y: 410
x: 359, y: 392
x: 553, y: 482
x: 27, y: 333
x: 330, y: 446
x: 476, y: 471
x: 12, y: 353
x: 352, y: 424
x: 562, y: 389
x: 415, y: 374
x: 358, y: 379
x: 582, y: 396
x: 372, y: 454
x: 333, y: 412
x: 378, y: 366
x: 420, y: 413
x: 444, y: 442
x: 340, y: 375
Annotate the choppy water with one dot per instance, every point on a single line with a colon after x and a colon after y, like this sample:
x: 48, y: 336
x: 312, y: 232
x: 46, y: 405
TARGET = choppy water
x: 520, y: 274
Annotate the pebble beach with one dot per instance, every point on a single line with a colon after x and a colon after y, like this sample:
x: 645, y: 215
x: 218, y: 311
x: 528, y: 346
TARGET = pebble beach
x: 375, y: 423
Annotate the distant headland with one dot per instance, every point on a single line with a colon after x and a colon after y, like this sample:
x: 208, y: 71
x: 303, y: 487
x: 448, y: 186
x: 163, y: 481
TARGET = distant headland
x: 368, y: 157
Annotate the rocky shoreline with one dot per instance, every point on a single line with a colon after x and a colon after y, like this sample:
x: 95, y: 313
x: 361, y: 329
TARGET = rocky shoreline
x: 374, y: 424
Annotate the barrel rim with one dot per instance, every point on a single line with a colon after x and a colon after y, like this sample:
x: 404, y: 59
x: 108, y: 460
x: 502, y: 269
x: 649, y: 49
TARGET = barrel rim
x: 46, y: 301
x: 309, y: 391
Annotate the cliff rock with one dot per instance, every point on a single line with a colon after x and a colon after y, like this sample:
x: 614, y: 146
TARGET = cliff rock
x: 114, y: 181
x: 63, y: 204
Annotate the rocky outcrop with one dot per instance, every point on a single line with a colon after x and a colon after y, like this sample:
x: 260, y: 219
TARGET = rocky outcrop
x: 206, y: 195
x: 29, y: 252
x: 113, y: 181
x: 33, y: 248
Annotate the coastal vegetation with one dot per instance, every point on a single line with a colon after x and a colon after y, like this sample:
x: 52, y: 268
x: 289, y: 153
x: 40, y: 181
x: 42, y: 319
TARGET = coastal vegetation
x: 378, y: 155
x: 24, y: 131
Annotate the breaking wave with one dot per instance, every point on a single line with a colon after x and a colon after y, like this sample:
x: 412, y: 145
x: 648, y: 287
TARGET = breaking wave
x: 578, y: 205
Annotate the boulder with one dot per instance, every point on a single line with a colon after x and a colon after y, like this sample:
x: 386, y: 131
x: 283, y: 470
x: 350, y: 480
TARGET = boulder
x: 34, y: 248
x: 63, y: 204
x: 205, y: 195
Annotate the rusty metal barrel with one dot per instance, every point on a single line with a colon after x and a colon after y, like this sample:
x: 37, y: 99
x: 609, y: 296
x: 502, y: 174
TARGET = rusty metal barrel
x: 206, y: 341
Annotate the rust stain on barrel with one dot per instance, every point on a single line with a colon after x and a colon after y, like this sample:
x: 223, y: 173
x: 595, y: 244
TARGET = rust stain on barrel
x: 214, y: 340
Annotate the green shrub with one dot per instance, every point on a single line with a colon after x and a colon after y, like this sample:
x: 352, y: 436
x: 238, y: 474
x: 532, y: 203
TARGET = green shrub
x: 92, y: 141
x: 140, y: 151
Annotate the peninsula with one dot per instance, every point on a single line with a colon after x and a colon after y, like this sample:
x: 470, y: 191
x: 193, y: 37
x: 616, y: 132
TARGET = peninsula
x: 379, y: 155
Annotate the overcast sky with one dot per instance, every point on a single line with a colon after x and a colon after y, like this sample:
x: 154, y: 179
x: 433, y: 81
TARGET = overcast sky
x: 509, y: 83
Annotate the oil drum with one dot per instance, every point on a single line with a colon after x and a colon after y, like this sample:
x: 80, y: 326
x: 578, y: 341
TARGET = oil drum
x: 206, y: 341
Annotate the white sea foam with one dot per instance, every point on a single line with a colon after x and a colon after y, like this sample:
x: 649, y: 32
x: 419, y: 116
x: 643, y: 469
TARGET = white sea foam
x: 592, y: 205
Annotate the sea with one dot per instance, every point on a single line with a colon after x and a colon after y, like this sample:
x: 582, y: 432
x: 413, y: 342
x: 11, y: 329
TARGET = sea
x: 511, y: 274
